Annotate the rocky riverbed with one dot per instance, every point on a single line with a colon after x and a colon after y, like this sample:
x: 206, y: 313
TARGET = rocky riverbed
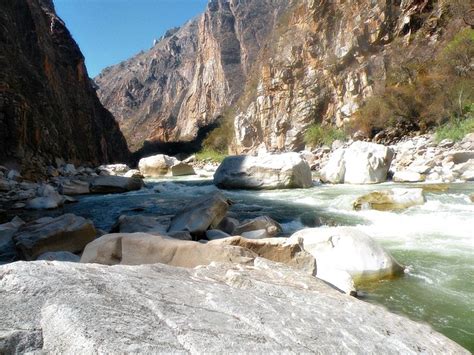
x: 184, y: 220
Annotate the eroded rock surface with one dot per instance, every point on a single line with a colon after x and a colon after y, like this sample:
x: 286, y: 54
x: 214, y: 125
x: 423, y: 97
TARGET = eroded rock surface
x: 265, y: 308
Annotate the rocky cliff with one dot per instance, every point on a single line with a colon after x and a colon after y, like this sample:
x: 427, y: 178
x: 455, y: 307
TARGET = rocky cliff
x: 272, y: 67
x: 48, y: 106
x: 329, y: 57
x: 186, y: 80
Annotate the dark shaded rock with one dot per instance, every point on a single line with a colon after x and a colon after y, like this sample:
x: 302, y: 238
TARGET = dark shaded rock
x: 65, y: 233
x: 48, y: 107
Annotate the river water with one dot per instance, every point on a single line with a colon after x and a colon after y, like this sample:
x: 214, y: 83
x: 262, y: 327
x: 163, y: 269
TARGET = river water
x: 435, y: 241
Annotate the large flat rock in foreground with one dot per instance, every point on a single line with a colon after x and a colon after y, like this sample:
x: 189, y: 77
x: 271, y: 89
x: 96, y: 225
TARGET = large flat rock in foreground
x: 57, y: 307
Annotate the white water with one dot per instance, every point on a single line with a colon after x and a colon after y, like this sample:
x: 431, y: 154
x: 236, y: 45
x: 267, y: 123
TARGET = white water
x: 435, y: 240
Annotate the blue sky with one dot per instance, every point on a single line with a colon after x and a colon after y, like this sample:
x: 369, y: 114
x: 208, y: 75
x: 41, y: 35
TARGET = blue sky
x: 109, y: 31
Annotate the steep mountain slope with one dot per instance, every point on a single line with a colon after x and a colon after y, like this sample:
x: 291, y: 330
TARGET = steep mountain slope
x: 183, y: 83
x: 273, y: 68
x: 48, y: 106
x: 330, y: 57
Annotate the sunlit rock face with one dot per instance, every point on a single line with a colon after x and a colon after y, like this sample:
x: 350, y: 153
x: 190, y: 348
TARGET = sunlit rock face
x: 326, y: 60
x: 273, y: 67
x: 48, y: 106
x: 186, y: 79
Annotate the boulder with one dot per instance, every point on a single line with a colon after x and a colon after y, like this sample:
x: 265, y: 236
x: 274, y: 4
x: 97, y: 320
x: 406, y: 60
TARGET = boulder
x: 60, y: 256
x: 74, y: 187
x: 59, y: 308
x: 461, y: 156
x: 181, y: 169
x: 114, y: 169
x: 347, y: 249
x: 214, y: 234
x: 408, y: 176
x: 65, y: 233
x: 275, y: 249
x: 278, y: 171
x: 142, y: 248
x: 5, y: 185
x: 267, y: 226
x: 204, y: 213
x: 228, y: 225
x: 360, y: 163
x: 388, y: 200
x: 156, y: 165
x: 69, y: 170
x: 14, y: 175
x: 132, y: 224
x: 115, y: 184
x: 134, y: 173
x: 8, y: 252
x: 48, y: 198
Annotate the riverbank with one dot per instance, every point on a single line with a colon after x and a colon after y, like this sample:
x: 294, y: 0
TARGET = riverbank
x: 433, y: 239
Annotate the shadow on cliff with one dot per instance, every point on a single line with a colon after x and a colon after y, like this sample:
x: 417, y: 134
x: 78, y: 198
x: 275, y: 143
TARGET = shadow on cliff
x: 173, y: 148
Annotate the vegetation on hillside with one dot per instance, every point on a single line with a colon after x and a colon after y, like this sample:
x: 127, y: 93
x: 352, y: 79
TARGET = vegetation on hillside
x: 317, y: 135
x: 424, y: 94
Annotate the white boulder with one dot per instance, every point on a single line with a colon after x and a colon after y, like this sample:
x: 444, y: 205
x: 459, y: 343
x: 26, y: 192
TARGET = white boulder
x: 347, y: 249
x: 278, y: 171
x: 360, y: 163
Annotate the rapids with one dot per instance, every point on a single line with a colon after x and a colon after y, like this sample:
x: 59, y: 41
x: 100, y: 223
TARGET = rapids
x: 435, y: 240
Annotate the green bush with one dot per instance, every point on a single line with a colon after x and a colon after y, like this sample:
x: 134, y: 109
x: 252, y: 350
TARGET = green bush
x: 322, y: 135
x: 455, y: 130
x: 209, y: 154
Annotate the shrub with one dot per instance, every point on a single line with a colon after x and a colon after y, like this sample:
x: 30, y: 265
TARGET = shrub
x: 456, y: 128
x: 322, y: 135
x: 209, y: 154
x: 221, y: 138
x: 428, y: 94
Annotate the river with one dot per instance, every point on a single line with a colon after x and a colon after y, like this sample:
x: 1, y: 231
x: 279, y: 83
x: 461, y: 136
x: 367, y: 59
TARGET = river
x: 435, y: 240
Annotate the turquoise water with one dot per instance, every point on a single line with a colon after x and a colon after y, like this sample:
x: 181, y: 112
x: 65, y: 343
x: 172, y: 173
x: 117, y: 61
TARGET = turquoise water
x: 435, y: 241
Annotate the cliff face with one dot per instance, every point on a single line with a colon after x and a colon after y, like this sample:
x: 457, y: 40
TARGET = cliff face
x: 184, y: 82
x: 331, y: 56
x: 48, y: 106
x: 278, y: 65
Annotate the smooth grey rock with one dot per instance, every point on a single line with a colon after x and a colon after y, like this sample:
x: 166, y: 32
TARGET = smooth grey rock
x: 115, y: 184
x: 65, y: 233
x: 8, y: 252
x: 57, y: 308
x: 228, y: 225
x: 181, y: 169
x: 48, y: 198
x: 60, y: 256
x: 278, y: 171
x: 214, y: 234
x: 74, y: 187
x: 461, y: 156
x: 266, y: 224
x: 146, y: 224
x: 204, y: 213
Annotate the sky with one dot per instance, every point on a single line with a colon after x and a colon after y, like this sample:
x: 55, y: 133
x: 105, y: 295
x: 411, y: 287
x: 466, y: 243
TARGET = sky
x: 109, y: 31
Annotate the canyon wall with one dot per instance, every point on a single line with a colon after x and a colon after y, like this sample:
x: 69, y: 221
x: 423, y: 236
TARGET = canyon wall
x: 272, y: 67
x: 48, y: 105
x: 189, y: 76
